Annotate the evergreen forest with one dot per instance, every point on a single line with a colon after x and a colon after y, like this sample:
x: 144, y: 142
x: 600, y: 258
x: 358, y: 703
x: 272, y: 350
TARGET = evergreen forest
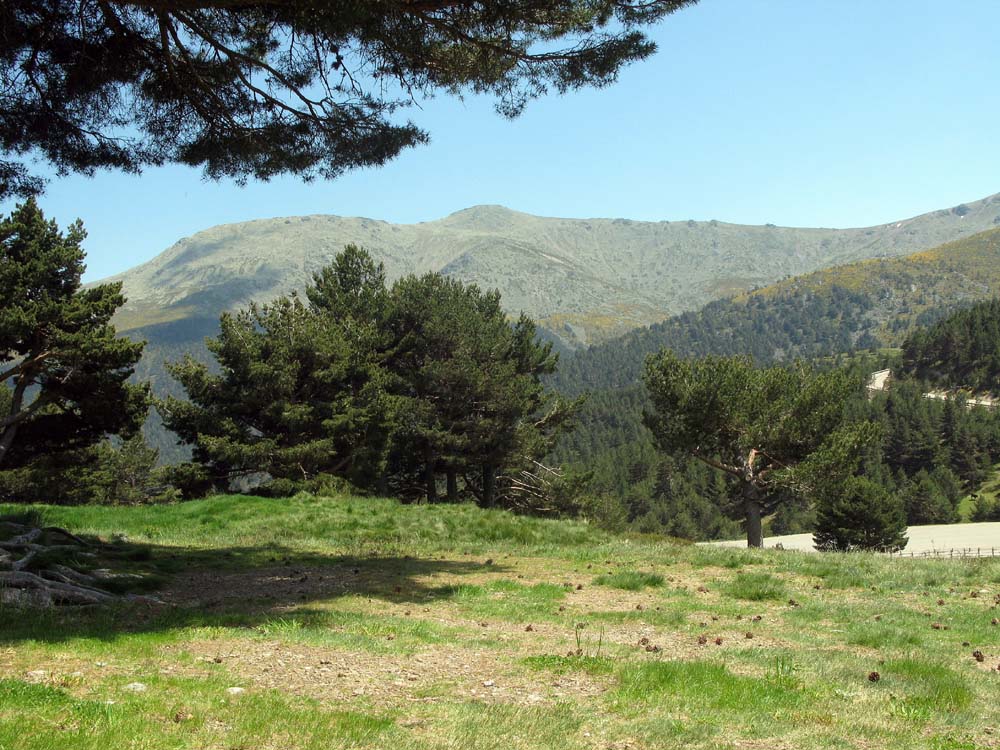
x: 749, y: 415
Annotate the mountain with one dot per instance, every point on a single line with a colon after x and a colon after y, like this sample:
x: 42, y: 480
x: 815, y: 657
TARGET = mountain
x: 859, y: 305
x: 585, y: 280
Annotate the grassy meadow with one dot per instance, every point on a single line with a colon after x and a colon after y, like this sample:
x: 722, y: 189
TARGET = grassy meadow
x: 362, y: 623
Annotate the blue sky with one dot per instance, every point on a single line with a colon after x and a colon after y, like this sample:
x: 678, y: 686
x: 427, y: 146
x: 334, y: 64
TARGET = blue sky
x: 818, y: 113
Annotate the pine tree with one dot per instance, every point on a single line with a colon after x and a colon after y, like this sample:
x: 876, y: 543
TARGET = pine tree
x: 862, y: 515
x: 297, y: 397
x: 470, y: 387
x: 774, y: 430
x: 389, y: 388
x: 258, y: 88
x: 925, y: 502
x: 64, y: 372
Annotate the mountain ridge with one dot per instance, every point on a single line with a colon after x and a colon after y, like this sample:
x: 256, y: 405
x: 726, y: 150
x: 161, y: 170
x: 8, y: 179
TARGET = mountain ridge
x: 586, y: 280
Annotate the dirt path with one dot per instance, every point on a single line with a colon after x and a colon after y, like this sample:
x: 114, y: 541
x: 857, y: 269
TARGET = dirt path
x: 934, y: 538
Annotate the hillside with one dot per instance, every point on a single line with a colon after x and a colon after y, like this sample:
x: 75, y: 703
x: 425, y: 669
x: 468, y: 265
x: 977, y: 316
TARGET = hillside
x: 584, y: 280
x: 869, y: 303
x: 962, y: 351
x: 308, y: 623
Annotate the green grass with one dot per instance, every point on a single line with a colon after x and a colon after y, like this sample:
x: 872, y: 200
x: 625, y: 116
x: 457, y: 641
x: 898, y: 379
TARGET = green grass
x: 703, y: 687
x: 508, y: 600
x: 877, y: 635
x: 756, y: 587
x: 364, y: 623
x: 342, y: 526
x: 476, y: 726
x: 988, y: 493
x: 630, y: 580
x: 177, y: 713
x: 593, y: 665
x: 356, y: 630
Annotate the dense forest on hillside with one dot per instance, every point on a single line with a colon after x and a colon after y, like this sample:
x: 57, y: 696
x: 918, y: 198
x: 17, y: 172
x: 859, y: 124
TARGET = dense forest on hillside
x: 932, y: 453
x: 857, y: 308
x: 769, y: 329
x: 853, y: 307
x: 861, y: 305
x: 962, y: 351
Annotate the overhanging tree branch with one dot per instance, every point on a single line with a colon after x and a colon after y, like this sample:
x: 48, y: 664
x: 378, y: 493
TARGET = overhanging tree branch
x: 230, y: 85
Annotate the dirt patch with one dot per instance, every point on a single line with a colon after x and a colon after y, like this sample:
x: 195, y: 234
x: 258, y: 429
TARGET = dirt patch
x: 215, y: 588
x: 441, y: 673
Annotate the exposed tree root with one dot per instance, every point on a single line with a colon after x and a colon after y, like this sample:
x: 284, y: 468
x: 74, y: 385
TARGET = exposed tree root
x: 38, y: 570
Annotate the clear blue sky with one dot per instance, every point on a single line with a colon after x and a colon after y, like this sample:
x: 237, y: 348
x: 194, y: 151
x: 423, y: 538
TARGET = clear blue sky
x: 805, y: 113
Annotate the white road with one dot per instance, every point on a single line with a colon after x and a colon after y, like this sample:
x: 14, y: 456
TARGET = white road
x: 936, y: 538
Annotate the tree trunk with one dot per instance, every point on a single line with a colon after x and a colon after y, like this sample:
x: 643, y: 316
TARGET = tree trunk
x: 452, y: 486
x: 751, y: 505
x: 7, y: 439
x: 429, y: 478
x: 489, y: 484
x: 8, y: 430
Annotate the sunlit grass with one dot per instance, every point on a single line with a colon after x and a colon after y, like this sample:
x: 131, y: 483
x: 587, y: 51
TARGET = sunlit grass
x: 756, y: 587
x: 452, y: 627
x: 630, y: 580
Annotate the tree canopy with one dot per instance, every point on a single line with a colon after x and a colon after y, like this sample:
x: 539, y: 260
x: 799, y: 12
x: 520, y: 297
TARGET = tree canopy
x: 295, y: 398
x: 387, y: 387
x: 63, y: 369
x: 257, y: 88
x: 862, y: 515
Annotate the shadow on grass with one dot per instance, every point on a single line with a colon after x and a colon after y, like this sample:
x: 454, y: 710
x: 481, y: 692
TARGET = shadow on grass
x: 236, y: 587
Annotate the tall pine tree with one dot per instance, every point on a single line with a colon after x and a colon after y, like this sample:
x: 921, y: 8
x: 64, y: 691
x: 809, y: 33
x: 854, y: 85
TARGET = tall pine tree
x: 63, y: 369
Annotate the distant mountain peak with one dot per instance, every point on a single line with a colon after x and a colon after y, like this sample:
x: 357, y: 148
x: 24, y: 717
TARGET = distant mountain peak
x: 487, y: 216
x: 482, y: 209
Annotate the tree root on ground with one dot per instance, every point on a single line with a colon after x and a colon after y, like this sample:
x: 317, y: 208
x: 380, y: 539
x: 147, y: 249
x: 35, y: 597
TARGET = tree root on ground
x: 39, y: 567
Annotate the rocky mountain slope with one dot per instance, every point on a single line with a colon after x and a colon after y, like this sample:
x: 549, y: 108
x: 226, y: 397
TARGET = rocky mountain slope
x: 176, y: 298
x: 585, y: 280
